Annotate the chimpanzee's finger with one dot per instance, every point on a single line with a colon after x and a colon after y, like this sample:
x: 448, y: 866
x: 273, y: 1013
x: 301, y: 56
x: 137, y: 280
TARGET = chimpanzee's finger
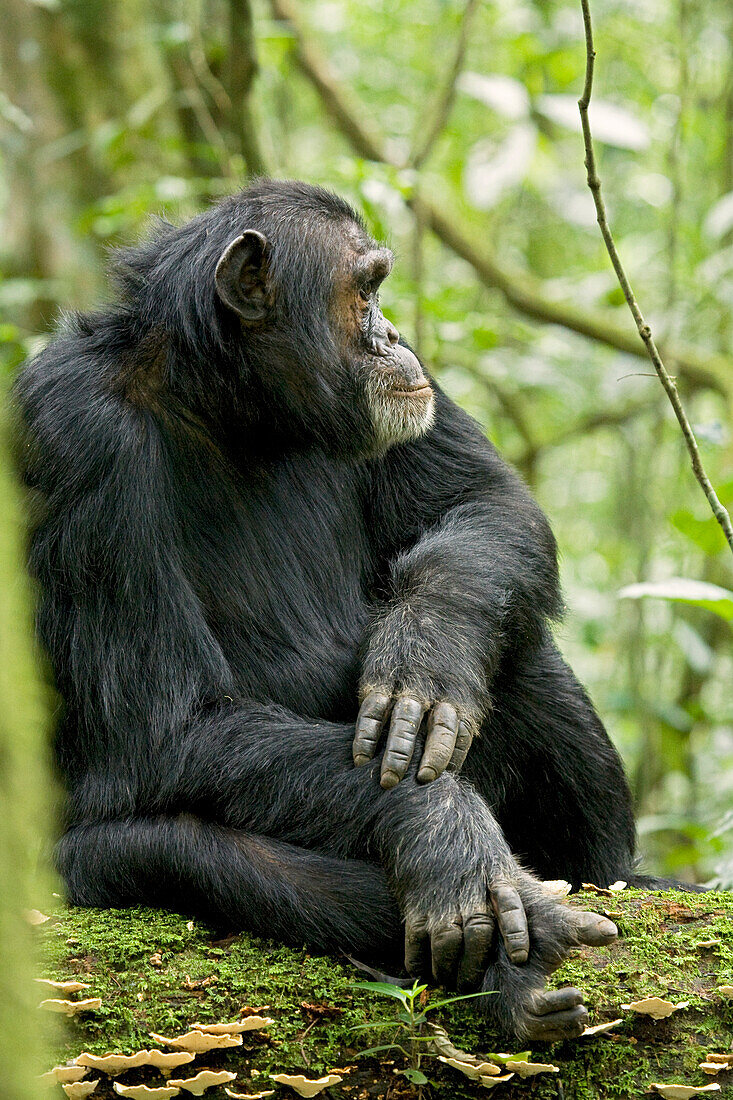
x: 478, y: 930
x: 556, y: 1000
x: 512, y: 920
x: 439, y: 743
x: 418, y: 962
x: 369, y: 725
x: 591, y: 928
x: 407, y: 714
x: 464, y: 737
x: 447, y: 944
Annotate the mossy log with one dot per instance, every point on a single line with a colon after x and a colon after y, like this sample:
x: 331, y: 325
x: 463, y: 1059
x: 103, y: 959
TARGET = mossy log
x: 160, y: 972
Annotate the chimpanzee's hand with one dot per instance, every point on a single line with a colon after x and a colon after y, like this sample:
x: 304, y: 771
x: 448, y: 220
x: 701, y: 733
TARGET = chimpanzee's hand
x: 448, y: 735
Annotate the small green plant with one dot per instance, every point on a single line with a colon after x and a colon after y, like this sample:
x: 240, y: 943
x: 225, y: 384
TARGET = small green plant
x: 409, y: 1025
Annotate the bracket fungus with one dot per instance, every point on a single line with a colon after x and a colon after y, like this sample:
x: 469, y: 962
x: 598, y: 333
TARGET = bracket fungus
x: 683, y: 1092
x: 249, y: 1023
x: 473, y: 1070
x: 112, y: 1064
x: 62, y: 987
x: 489, y: 1082
x: 71, y: 1008
x: 204, y: 1080
x: 60, y: 1075
x: 725, y: 990
x: 248, y: 1095
x: 143, y: 1092
x: 600, y: 1029
x: 531, y: 1069
x: 558, y: 887
x: 655, y: 1007
x: 79, y: 1090
x: 198, y: 1042
x: 716, y: 1063
x: 305, y: 1087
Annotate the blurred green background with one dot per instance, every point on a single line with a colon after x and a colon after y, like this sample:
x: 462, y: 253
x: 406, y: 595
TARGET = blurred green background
x: 461, y: 118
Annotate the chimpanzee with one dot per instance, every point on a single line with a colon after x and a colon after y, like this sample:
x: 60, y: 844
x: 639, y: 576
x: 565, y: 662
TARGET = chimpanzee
x: 256, y: 511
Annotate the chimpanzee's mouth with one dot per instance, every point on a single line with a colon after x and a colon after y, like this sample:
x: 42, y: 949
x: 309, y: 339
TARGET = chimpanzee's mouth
x: 423, y: 389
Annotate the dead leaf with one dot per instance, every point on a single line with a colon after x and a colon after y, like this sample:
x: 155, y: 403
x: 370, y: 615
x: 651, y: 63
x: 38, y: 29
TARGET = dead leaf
x: 305, y: 1086
x: 680, y: 913
x: 321, y: 1011
x: 78, y: 1090
x: 197, y: 1042
x: 251, y: 1023
x: 683, y: 1092
x: 62, y: 987
x: 156, y: 959
x: 204, y: 1080
x: 143, y: 1092
x: 531, y: 1069
x: 71, y: 1008
x: 63, y: 1074
x: 198, y: 983
x: 655, y: 1007
x: 473, y: 1071
x: 600, y: 1029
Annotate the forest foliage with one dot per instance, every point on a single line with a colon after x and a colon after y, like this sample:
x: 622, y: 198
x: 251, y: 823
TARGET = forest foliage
x: 453, y: 125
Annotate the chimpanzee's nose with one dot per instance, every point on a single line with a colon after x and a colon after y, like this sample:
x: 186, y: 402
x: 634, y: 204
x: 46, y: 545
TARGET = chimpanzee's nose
x: 392, y: 333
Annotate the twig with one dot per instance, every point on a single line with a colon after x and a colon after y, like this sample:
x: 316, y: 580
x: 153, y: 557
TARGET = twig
x: 442, y: 111
x: 645, y: 331
x: 700, y: 369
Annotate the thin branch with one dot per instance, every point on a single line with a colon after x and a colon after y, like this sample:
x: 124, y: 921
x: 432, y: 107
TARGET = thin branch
x: 242, y: 70
x: 645, y: 332
x: 700, y: 369
x: 444, y: 106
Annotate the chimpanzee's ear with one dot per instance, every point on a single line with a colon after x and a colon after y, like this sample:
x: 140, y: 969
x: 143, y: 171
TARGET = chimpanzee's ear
x: 242, y: 280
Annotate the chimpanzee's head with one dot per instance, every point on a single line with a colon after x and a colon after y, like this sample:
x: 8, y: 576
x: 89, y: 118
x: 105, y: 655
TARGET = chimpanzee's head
x: 297, y: 286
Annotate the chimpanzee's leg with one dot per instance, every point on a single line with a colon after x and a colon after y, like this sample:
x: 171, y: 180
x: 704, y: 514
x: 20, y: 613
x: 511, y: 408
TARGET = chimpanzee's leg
x: 262, y: 772
x: 547, y: 768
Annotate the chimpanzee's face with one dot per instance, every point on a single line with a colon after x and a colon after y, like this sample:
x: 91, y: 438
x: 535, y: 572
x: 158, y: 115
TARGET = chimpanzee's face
x: 328, y: 355
x: 398, y: 395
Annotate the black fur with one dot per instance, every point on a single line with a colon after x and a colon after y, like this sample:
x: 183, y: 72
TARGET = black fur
x: 222, y: 563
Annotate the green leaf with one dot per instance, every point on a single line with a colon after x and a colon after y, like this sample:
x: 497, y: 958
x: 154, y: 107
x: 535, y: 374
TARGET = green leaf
x: 416, y: 1076
x: 704, y: 533
x: 682, y: 590
x: 433, y: 1005
x: 385, y: 988
x: 386, y: 1046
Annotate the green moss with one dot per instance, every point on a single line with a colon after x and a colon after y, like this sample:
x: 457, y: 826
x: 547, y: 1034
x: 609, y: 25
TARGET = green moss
x: 156, y: 971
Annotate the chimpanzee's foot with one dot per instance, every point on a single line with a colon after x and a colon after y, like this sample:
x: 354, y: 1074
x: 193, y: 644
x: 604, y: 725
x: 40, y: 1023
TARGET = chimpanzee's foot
x: 522, y: 1006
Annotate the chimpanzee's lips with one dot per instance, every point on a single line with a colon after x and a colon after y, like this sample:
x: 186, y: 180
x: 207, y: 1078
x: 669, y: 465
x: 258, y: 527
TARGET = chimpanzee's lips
x: 421, y: 389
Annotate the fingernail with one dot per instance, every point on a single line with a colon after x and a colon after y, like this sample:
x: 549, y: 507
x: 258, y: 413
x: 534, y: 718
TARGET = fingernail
x: 519, y: 956
x: 389, y: 780
x: 360, y: 759
x: 426, y: 775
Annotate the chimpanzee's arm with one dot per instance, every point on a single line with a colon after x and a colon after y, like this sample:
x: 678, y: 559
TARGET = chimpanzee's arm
x: 471, y: 570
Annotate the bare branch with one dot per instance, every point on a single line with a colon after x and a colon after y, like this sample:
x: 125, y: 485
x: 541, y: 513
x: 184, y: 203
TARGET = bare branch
x: 445, y: 104
x: 645, y: 332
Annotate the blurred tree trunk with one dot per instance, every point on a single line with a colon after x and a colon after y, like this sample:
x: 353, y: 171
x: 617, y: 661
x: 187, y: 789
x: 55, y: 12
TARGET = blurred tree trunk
x: 26, y: 802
